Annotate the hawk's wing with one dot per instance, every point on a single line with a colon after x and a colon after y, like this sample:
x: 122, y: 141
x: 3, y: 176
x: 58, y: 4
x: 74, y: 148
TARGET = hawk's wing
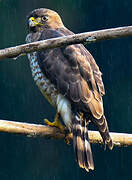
x: 74, y: 72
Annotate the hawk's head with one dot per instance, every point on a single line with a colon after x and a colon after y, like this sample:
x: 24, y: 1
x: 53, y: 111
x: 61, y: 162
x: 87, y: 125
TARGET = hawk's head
x: 43, y: 18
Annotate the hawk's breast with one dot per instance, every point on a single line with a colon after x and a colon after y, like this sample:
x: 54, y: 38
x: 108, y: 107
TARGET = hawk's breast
x: 45, y: 86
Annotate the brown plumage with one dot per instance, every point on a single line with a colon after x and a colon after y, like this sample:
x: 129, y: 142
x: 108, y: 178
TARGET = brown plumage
x: 71, y: 74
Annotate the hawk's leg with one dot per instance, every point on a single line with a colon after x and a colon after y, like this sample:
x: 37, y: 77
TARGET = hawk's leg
x: 56, y: 123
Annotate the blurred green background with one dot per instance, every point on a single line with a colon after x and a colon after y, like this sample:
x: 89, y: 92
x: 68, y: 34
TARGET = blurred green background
x: 40, y: 159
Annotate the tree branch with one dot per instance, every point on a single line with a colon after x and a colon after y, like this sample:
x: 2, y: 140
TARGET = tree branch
x: 34, y: 130
x: 88, y: 37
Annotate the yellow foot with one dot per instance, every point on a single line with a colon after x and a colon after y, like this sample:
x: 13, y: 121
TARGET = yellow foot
x: 62, y: 128
x: 56, y: 123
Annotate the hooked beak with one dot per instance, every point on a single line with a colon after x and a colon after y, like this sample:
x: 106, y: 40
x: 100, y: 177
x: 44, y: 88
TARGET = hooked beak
x: 34, y: 22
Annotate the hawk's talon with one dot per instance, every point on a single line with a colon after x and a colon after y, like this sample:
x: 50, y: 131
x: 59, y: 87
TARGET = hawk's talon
x: 62, y: 128
x: 56, y: 123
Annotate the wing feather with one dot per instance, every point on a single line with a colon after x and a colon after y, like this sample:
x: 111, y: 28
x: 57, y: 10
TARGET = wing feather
x: 74, y: 72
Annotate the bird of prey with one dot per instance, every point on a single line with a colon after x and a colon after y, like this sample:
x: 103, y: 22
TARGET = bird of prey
x: 71, y: 81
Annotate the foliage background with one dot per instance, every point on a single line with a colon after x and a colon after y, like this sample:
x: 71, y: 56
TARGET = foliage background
x: 20, y: 100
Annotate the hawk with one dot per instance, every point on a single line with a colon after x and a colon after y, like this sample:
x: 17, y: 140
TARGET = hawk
x: 71, y: 81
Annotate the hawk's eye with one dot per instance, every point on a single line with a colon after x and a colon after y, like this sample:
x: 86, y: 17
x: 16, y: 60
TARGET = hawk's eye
x: 44, y: 18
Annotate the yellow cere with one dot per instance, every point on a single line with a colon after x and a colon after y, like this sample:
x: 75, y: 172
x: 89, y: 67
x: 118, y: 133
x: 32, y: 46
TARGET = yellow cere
x: 32, y: 19
x: 36, y: 21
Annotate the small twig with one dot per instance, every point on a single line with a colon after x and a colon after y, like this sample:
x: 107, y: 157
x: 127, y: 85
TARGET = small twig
x: 34, y: 130
x: 88, y: 37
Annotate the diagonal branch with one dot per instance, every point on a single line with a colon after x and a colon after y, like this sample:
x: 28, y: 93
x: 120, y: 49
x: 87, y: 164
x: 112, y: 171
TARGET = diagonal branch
x: 88, y: 37
x: 34, y: 130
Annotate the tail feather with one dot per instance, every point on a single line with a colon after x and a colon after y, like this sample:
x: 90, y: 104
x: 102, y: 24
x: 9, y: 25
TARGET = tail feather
x: 102, y: 127
x: 81, y: 144
x: 89, y: 156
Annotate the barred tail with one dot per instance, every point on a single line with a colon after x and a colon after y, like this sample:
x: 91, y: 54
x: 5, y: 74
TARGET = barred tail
x: 81, y: 144
x: 102, y: 127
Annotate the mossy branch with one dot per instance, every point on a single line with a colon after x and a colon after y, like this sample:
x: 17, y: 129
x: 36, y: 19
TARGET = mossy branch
x: 35, y: 130
x: 88, y: 37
